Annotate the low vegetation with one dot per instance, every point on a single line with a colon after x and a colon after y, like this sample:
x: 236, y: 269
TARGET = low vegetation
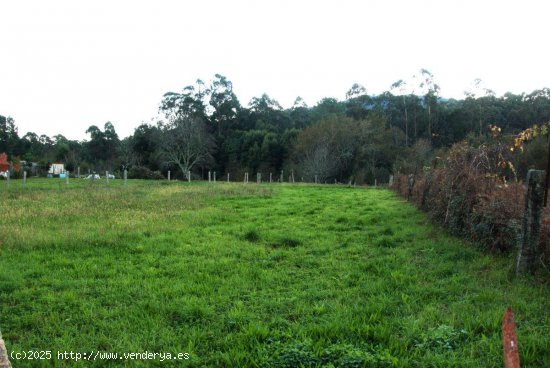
x: 253, y: 276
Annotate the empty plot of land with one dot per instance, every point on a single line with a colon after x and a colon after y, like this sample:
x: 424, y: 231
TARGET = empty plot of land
x: 252, y: 275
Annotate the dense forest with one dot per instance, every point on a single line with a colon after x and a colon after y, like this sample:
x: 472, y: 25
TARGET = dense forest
x: 365, y: 137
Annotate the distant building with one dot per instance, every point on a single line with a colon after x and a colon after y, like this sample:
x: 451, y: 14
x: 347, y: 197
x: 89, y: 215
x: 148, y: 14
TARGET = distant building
x: 57, y: 169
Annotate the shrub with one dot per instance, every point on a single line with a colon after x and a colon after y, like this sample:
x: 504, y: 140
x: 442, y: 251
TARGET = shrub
x: 467, y: 193
x: 141, y: 172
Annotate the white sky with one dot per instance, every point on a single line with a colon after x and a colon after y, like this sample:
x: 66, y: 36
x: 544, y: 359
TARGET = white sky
x: 66, y: 65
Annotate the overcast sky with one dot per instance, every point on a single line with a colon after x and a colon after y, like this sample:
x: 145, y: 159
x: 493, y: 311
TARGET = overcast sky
x: 66, y: 65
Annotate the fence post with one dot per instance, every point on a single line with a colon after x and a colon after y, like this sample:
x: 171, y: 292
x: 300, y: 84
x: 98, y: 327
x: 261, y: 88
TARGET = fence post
x: 209, y: 177
x: 529, y: 250
x: 107, y: 176
x: 410, y: 184
x: 168, y: 175
x: 228, y: 177
x: 390, y: 183
x: 67, y: 173
x: 282, y: 176
x: 189, y: 176
x: 510, y: 340
x: 8, y: 179
x: 125, y: 177
x: 214, y: 176
x: 24, y: 179
x: 315, y: 179
x: 78, y: 172
x: 270, y: 178
x: 427, y: 187
x: 258, y: 178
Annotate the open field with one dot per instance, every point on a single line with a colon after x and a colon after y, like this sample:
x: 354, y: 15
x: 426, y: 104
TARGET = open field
x: 252, y: 276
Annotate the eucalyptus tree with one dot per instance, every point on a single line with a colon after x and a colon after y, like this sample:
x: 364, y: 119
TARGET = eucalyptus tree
x: 430, y: 93
x: 223, y: 101
x: 399, y: 88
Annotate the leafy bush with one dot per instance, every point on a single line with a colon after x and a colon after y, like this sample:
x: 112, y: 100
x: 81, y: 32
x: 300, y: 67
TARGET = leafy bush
x: 141, y: 172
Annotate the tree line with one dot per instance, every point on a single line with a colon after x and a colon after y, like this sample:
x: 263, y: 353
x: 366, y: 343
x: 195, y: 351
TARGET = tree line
x: 362, y: 138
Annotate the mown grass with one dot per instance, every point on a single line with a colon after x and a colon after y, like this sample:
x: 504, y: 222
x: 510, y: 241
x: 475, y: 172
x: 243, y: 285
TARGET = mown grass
x: 252, y: 276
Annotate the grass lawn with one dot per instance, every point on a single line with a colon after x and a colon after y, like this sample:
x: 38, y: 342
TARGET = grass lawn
x: 252, y: 276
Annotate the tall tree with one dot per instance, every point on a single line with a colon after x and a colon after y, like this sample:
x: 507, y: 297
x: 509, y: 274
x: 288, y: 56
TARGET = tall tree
x: 223, y: 101
x: 9, y: 139
x: 431, y: 93
x: 400, y: 89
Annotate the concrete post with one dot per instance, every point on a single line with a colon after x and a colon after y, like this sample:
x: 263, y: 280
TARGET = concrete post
x: 410, y: 184
x: 125, y: 177
x: 209, y: 177
x: 529, y: 251
x: 24, y: 179
x: 67, y: 173
x: 228, y: 177
x: 270, y: 178
x: 107, y: 176
x: 189, y: 176
x: 390, y: 183
x: 168, y: 175
x: 214, y: 176
x: 78, y: 172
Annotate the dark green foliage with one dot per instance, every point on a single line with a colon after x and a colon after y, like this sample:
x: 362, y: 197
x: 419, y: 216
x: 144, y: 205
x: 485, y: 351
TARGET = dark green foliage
x: 140, y: 172
x: 393, y: 132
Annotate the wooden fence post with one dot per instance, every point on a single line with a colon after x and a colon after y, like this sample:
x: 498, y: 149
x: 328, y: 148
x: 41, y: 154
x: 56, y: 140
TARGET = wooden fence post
x: 510, y: 345
x: 529, y: 251
x: 270, y: 178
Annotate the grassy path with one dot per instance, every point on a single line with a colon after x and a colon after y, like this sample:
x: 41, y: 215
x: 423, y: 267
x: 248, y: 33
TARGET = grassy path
x: 256, y: 276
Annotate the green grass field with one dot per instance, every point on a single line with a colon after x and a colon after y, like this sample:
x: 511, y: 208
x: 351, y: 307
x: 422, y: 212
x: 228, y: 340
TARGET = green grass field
x: 252, y: 276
